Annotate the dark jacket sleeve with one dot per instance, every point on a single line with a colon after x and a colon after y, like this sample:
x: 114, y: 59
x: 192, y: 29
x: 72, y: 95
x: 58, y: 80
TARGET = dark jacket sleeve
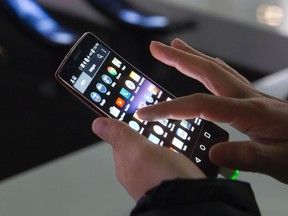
x: 198, y: 197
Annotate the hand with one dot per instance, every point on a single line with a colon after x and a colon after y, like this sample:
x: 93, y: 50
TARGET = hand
x: 235, y: 101
x: 140, y: 164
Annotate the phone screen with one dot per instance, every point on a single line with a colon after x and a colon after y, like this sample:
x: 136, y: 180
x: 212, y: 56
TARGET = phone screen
x: 113, y: 87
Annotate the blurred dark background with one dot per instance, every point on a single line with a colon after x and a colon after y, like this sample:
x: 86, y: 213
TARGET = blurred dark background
x: 41, y: 121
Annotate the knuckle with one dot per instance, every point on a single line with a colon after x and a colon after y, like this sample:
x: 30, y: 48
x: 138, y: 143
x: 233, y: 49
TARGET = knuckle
x: 115, y: 134
x: 257, y: 103
x: 262, y: 155
x: 199, y: 102
x: 119, y: 134
x: 199, y: 99
x: 213, y: 66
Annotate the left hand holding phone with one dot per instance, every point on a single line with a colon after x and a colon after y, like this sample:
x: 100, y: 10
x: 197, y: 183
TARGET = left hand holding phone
x: 140, y: 164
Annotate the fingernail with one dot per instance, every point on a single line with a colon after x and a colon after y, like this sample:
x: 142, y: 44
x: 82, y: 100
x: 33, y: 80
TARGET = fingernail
x: 157, y: 43
x: 218, y: 59
x: 178, y: 40
x: 220, y: 154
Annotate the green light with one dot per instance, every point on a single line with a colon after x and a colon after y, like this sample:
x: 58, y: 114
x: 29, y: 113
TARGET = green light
x: 235, y: 175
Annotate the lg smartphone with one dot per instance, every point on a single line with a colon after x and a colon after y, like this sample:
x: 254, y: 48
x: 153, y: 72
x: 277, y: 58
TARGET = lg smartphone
x: 114, y: 88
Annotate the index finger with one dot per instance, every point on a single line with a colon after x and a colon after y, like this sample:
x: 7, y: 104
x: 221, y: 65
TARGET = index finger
x: 215, y: 78
x: 209, y: 107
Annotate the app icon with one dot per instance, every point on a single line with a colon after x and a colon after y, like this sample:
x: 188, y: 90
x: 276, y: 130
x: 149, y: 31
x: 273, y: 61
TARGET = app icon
x: 106, y: 79
x: 178, y: 143
x: 125, y: 93
x: 112, y: 71
x: 134, y: 125
x: 117, y: 62
x: 101, y: 88
x: 83, y: 82
x: 153, y: 89
x: 158, y: 130
x: 135, y: 76
x: 114, y: 111
x: 130, y: 84
x: 95, y: 97
x: 153, y: 139
x: 181, y: 133
x: 120, y: 102
x: 149, y: 98
x: 141, y: 105
x: 185, y: 124
x: 164, y: 122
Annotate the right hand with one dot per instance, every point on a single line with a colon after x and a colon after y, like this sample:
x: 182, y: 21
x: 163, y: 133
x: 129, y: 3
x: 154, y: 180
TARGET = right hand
x: 263, y: 118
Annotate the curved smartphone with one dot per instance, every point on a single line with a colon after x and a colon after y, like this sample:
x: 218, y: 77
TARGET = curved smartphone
x: 112, y: 87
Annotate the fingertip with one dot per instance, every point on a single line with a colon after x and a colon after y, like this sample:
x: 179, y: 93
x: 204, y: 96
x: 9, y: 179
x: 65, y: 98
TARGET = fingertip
x: 96, y: 121
x: 99, y: 126
x: 237, y: 155
x: 178, y: 42
x: 143, y: 114
x: 220, y: 60
x: 154, y: 48
x: 156, y: 44
x: 219, y: 155
x: 181, y: 45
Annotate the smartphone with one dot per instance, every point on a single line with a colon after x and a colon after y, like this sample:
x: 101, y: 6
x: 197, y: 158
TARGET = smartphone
x: 112, y: 87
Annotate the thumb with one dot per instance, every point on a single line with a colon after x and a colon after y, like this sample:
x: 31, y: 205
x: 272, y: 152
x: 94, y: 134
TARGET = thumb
x: 252, y: 156
x: 247, y: 156
x: 121, y: 137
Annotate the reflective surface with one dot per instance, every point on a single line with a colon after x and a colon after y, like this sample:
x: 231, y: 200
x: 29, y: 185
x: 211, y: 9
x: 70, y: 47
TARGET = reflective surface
x: 30, y: 14
x: 265, y: 14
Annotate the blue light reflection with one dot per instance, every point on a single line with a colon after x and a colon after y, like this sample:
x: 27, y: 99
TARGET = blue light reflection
x: 40, y: 21
x: 133, y: 17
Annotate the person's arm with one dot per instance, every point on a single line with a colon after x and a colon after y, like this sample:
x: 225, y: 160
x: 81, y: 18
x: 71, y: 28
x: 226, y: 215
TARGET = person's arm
x: 208, y: 197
